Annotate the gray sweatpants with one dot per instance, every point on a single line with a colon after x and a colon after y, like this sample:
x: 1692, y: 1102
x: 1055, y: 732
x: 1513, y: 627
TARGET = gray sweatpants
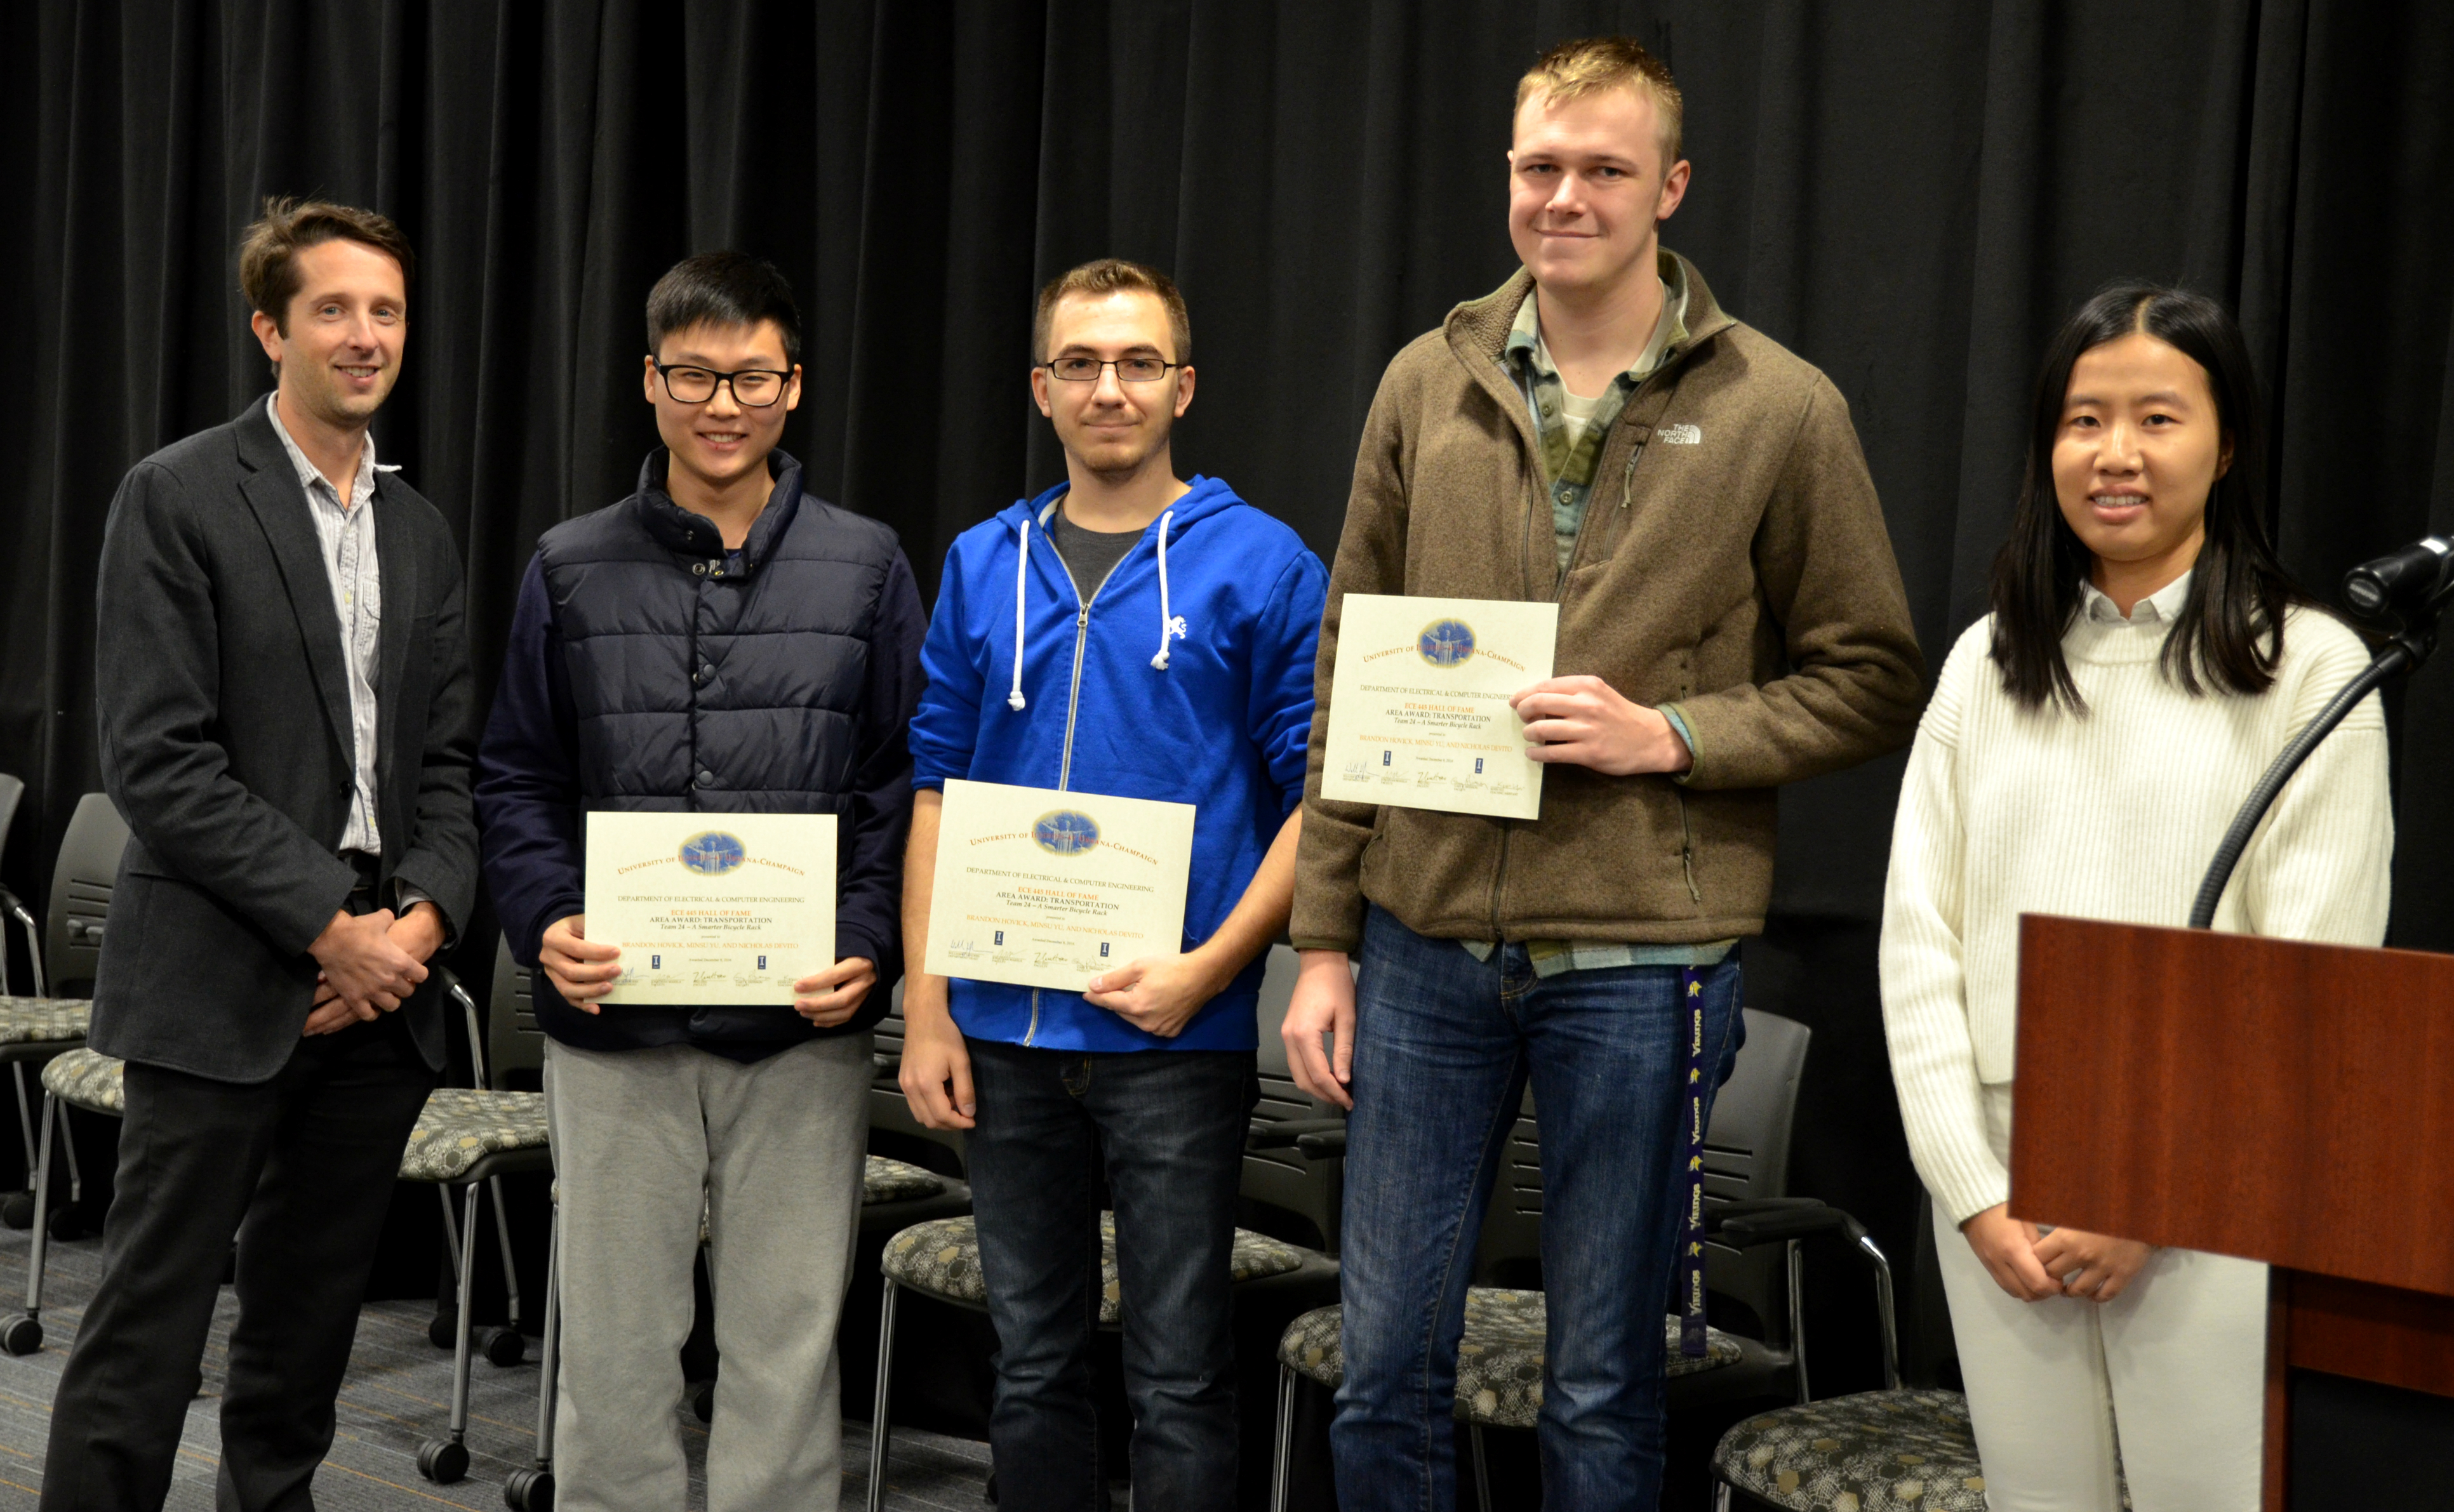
x: 774, y: 1149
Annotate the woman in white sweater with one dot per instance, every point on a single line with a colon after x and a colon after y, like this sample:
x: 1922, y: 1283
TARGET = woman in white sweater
x: 2087, y: 746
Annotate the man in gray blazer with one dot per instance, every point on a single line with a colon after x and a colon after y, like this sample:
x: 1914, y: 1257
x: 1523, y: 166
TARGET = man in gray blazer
x: 287, y: 726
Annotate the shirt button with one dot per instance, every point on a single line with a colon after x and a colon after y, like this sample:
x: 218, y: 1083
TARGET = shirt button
x: 707, y: 779
x: 706, y: 671
x: 698, y: 569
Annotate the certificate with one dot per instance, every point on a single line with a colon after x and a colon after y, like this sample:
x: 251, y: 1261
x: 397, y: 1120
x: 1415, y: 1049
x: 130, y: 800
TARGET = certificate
x: 713, y: 909
x: 1419, y: 713
x: 1044, y: 888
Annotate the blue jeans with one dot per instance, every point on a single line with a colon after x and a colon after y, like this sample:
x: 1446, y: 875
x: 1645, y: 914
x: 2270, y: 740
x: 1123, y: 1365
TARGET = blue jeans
x: 1443, y: 1047
x: 1171, y: 1126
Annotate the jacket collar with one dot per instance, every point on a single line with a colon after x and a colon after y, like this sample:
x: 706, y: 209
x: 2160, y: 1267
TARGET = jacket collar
x: 1478, y: 331
x: 692, y: 535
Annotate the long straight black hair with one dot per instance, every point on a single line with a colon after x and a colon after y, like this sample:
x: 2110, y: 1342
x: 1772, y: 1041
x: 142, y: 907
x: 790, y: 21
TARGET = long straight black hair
x: 2230, y: 632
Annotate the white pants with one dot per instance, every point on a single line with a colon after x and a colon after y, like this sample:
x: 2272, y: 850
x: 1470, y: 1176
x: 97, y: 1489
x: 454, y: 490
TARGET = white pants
x: 2176, y: 1366
x: 773, y: 1150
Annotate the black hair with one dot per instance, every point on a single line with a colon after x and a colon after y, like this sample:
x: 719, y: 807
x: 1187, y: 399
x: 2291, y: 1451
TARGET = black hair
x: 723, y: 288
x: 2230, y: 632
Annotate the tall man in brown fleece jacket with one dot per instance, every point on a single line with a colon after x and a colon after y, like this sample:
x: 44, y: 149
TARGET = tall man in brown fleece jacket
x: 1598, y: 432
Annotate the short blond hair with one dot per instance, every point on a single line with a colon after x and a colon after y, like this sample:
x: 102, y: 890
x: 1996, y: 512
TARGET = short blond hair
x: 1110, y: 276
x: 1590, y: 64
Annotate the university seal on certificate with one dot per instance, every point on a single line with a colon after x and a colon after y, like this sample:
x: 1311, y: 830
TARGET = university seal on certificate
x: 1043, y: 889
x: 713, y: 909
x: 1419, y: 713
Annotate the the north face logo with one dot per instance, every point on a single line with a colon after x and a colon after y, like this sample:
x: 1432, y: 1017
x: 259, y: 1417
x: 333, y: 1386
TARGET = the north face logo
x: 1681, y: 435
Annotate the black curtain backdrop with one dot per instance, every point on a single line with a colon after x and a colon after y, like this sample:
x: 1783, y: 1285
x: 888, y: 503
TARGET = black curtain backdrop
x: 1909, y: 195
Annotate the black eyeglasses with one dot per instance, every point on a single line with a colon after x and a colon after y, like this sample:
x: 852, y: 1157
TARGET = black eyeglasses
x: 1130, y: 370
x: 756, y: 387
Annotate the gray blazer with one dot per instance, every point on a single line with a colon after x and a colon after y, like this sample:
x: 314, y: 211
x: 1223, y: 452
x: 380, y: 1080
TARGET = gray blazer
x: 226, y: 744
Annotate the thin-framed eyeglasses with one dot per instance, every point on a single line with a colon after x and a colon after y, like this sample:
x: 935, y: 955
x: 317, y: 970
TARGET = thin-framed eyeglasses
x: 1129, y: 370
x: 756, y: 387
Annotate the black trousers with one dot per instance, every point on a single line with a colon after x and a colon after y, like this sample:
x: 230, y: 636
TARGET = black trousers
x: 300, y: 1169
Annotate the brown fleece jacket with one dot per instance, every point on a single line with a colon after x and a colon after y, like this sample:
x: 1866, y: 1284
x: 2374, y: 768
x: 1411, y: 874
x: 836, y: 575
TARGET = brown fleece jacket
x: 1733, y: 562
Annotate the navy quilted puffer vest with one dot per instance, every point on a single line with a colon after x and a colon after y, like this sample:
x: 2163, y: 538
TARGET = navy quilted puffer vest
x: 703, y: 687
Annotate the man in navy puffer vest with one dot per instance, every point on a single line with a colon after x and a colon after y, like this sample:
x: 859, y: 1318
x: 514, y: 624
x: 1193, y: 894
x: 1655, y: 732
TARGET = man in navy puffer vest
x: 718, y: 642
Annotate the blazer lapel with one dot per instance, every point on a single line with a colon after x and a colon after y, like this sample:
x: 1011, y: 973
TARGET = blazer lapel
x: 272, y: 490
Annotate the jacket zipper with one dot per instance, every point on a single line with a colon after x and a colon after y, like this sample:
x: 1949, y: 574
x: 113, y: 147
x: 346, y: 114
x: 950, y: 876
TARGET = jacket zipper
x: 1559, y: 592
x: 1073, y: 707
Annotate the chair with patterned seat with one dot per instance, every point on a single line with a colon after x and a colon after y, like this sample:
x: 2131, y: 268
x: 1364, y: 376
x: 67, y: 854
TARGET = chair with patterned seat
x: 1500, y: 1357
x: 1905, y: 1447
x: 34, y: 1030
x: 471, y: 1138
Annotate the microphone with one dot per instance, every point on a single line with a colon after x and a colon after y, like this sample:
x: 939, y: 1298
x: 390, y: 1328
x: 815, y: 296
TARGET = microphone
x: 2400, y: 581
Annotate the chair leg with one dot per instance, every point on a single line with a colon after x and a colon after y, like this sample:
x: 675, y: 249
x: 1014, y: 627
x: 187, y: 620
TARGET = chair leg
x: 22, y: 1333
x: 502, y: 1235
x: 879, y: 1430
x: 445, y: 1460
x: 1481, y: 1469
x: 25, y: 1109
x: 53, y: 1115
x: 1721, y: 1495
x: 68, y: 1138
x: 1283, y: 1451
x: 551, y: 1349
x: 532, y: 1489
x: 460, y: 1336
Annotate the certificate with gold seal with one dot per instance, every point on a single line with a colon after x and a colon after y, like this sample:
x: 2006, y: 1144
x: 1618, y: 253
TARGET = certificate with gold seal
x: 1419, y: 713
x: 713, y: 909
x: 1043, y: 889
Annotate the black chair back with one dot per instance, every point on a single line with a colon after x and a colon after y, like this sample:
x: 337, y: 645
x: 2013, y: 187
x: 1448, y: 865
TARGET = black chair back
x: 515, y: 1045
x: 1284, y: 1178
x: 1746, y: 1155
x: 888, y: 1108
x: 80, y: 884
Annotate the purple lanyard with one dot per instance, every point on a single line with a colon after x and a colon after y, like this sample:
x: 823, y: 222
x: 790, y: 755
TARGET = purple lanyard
x: 1691, y: 1238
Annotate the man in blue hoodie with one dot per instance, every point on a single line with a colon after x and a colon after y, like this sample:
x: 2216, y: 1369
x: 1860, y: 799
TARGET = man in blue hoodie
x: 1128, y: 633
x: 718, y: 642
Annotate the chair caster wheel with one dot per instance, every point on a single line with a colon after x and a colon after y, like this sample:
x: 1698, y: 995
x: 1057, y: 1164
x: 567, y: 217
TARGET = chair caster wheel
x: 442, y: 1460
x: 441, y: 1331
x: 702, y: 1402
x: 64, y: 1225
x: 21, y: 1335
x: 528, y: 1491
x: 17, y: 1211
x: 502, y: 1346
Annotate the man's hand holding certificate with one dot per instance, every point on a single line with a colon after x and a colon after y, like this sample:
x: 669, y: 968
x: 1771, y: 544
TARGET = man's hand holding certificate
x: 1419, y: 713
x: 1049, y: 889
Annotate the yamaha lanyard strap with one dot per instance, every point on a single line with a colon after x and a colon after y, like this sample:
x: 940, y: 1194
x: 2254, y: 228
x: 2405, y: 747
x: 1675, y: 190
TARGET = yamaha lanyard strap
x: 1691, y: 1238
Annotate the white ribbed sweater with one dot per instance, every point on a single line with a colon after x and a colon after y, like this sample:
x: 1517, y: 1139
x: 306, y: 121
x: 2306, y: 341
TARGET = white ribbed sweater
x: 2114, y: 815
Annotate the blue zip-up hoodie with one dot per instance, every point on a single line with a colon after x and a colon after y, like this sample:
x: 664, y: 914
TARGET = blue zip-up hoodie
x: 1186, y: 676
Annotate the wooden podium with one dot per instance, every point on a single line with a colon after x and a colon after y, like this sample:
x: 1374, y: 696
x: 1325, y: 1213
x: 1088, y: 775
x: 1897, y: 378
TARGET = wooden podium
x: 2285, y: 1102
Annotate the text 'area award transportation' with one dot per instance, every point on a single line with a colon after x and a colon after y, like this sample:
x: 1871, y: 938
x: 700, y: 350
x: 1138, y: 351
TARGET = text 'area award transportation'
x: 713, y: 909
x: 1419, y: 713
x: 1043, y: 889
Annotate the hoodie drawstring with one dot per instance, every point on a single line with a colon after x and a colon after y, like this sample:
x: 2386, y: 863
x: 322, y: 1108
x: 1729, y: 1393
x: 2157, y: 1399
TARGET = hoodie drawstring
x: 1021, y: 575
x: 1170, y: 626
